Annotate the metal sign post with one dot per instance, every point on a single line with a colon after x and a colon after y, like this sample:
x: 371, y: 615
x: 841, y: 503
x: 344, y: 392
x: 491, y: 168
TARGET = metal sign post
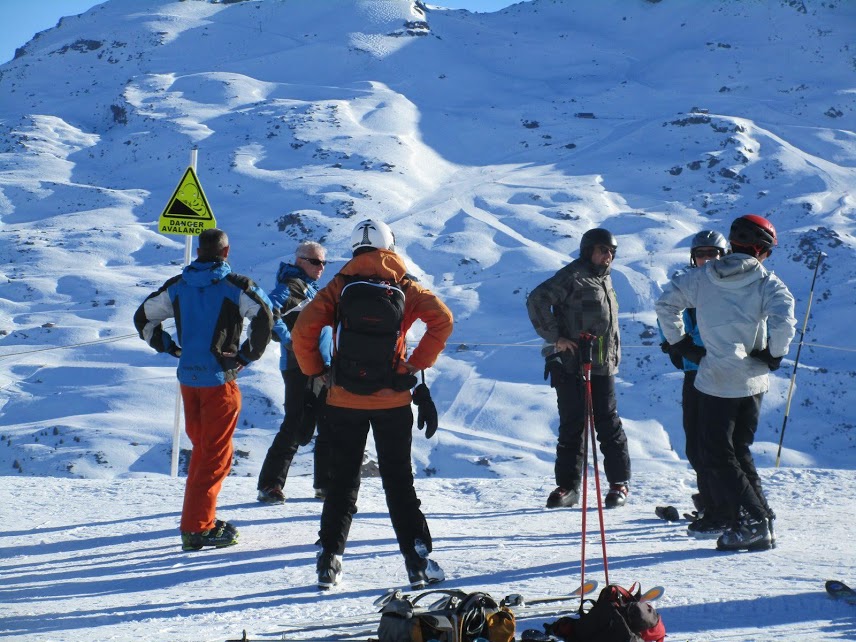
x: 187, y: 213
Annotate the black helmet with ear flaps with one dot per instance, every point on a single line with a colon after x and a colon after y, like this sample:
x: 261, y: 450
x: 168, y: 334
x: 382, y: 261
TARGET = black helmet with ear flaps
x: 596, y: 236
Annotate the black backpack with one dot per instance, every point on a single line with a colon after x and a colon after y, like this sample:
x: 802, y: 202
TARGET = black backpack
x: 368, y: 334
x: 616, y: 616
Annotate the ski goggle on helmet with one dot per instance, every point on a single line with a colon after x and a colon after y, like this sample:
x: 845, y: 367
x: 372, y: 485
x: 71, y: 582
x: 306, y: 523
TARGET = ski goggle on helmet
x: 708, y: 239
x: 371, y: 233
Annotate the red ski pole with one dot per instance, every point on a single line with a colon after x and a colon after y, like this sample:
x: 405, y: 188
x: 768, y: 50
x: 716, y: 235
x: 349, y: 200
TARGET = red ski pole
x: 585, y: 494
x: 586, y: 356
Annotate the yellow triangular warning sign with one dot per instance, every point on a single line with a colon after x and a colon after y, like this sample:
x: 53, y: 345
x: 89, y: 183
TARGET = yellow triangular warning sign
x: 187, y: 212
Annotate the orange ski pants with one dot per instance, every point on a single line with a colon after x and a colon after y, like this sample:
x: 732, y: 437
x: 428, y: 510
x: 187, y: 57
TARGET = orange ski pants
x: 211, y: 415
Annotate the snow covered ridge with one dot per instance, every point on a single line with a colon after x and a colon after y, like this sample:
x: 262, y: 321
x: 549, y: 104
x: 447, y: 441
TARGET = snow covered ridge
x: 489, y: 142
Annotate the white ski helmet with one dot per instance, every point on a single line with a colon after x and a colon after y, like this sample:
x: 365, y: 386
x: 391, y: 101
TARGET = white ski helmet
x: 372, y: 233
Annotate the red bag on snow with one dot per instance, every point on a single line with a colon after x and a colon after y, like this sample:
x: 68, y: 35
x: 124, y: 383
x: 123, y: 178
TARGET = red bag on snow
x: 616, y: 616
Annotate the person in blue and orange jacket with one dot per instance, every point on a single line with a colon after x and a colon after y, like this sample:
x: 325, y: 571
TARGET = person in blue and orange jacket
x: 209, y: 304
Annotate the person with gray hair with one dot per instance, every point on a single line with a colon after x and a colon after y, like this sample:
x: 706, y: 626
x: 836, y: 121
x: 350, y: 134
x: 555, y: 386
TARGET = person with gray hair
x: 296, y: 285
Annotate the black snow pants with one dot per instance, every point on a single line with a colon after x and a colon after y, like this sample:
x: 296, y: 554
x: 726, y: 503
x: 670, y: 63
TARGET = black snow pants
x: 392, y: 428
x: 570, y: 397
x: 286, y: 442
x: 727, y: 431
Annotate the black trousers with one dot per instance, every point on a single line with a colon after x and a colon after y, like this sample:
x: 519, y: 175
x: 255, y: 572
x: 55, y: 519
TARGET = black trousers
x: 690, y: 401
x: 286, y: 442
x: 727, y: 431
x: 692, y: 433
x: 349, y: 430
x: 607, y: 424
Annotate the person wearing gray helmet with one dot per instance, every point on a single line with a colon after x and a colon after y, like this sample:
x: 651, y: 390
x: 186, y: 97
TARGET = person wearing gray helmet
x: 709, y: 522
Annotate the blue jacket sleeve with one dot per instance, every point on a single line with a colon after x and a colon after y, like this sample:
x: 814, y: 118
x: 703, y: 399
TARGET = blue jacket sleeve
x: 325, y: 344
x: 279, y: 295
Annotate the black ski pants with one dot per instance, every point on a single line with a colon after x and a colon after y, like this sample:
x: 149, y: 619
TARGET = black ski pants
x: 286, y: 442
x: 349, y: 429
x: 692, y: 433
x: 727, y: 431
x: 570, y: 397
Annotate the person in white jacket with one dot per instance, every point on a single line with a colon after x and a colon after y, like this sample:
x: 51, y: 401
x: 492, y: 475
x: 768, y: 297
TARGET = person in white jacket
x: 745, y: 316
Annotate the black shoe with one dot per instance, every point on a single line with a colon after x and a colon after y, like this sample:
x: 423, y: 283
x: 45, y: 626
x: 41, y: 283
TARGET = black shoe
x: 747, y: 534
x: 229, y: 527
x: 222, y: 535
x: 421, y: 569
x: 329, y: 567
x: 415, y: 573
x: 617, y: 495
x: 707, y: 528
x: 271, y: 495
x: 563, y: 498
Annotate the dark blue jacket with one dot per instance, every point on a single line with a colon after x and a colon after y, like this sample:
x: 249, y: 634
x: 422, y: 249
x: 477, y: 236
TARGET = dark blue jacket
x: 209, y: 304
x: 691, y: 328
x: 293, y: 290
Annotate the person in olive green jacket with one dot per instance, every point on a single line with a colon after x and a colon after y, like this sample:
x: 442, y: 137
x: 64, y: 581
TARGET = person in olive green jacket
x: 579, y: 299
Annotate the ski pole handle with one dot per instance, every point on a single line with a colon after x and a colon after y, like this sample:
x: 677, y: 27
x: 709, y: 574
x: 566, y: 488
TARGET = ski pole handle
x: 586, y: 344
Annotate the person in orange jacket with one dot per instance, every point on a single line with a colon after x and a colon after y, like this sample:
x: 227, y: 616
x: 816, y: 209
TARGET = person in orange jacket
x: 365, y: 392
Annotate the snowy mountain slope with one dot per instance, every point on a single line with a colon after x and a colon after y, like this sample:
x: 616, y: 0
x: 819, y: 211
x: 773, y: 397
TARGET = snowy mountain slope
x: 489, y: 141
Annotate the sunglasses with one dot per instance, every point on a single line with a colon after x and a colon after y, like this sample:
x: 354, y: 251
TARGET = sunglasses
x: 707, y: 254
x: 315, y: 262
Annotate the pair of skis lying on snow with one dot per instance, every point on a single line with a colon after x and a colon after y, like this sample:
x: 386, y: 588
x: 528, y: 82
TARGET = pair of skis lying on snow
x: 361, y: 626
x: 365, y: 625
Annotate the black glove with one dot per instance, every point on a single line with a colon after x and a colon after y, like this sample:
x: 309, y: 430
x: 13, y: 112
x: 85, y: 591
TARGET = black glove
x: 233, y: 362
x: 689, y: 350
x: 174, y: 350
x: 553, y: 368
x: 427, y: 411
x: 773, y: 363
x: 674, y: 356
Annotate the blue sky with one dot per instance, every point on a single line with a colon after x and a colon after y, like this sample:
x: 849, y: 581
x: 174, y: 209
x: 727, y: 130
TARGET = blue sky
x: 20, y: 20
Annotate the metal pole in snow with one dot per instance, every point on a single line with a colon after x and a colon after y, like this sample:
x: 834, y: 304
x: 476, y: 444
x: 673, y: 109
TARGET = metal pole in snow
x: 176, y: 426
x: 820, y: 256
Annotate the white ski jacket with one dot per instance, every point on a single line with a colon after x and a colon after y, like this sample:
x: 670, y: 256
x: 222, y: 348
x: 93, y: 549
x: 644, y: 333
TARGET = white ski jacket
x: 740, y: 307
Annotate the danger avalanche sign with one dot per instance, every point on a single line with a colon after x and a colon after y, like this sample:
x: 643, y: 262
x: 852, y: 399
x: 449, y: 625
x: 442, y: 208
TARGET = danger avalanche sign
x: 187, y: 212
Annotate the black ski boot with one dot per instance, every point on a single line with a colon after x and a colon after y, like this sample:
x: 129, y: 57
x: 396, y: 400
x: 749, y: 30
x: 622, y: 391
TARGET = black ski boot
x: 747, y: 534
x: 421, y: 569
x: 563, y: 498
x: 329, y: 567
x: 617, y: 495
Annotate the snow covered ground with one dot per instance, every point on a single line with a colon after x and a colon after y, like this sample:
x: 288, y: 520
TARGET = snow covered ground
x: 100, y: 560
x: 489, y: 143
